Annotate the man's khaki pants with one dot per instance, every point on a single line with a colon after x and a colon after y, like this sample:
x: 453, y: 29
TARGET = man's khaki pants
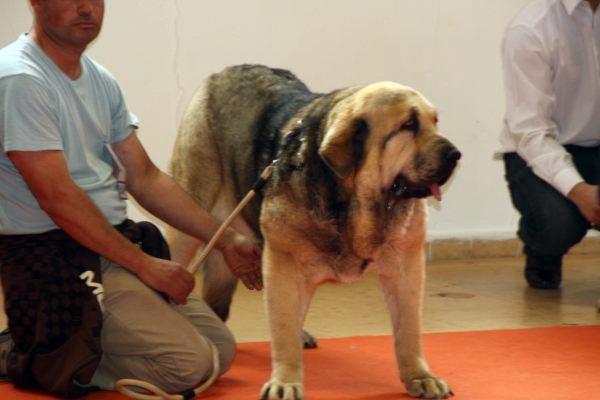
x: 146, y: 338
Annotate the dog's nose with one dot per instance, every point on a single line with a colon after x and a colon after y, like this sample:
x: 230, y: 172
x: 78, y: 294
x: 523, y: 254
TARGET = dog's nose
x: 453, y: 155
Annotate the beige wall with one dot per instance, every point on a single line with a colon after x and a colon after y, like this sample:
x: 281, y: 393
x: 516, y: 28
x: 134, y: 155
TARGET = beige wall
x: 160, y: 50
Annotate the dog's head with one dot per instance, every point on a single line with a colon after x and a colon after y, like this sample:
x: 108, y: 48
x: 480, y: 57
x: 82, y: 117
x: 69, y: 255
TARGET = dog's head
x: 383, y: 144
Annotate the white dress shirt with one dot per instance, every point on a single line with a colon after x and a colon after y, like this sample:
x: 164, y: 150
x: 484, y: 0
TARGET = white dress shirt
x: 552, y: 83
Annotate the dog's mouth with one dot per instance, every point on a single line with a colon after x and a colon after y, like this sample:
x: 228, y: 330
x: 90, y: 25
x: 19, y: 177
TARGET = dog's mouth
x: 404, y: 188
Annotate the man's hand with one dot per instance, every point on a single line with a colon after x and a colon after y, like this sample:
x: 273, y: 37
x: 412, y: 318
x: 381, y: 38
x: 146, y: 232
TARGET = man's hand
x: 585, y: 197
x: 167, y: 277
x: 243, y: 256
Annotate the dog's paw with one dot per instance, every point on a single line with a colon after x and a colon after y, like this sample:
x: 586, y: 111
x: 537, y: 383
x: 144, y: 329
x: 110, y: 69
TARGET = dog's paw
x: 428, y: 387
x: 275, y: 390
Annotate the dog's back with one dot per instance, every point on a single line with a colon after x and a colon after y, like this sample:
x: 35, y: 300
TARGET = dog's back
x: 230, y: 132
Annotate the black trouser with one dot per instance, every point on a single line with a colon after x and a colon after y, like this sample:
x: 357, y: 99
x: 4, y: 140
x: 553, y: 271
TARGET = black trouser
x: 550, y: 223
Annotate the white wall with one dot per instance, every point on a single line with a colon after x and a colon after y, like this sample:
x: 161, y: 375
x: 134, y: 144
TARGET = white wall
x: 160, y: 50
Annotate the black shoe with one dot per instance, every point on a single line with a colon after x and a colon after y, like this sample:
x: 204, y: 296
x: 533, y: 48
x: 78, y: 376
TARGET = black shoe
x: 6, y: 345
x: 543, y: 272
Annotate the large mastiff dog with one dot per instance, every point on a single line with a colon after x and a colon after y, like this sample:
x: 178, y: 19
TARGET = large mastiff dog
x: 347, y: 195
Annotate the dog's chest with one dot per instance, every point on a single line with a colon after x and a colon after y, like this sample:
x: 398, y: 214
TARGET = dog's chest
x: 316, y: 244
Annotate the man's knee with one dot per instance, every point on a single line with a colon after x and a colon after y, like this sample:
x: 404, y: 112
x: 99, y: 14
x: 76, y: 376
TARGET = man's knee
x: 200, y: 364
x: 191, y: 368
x: 558, y: 234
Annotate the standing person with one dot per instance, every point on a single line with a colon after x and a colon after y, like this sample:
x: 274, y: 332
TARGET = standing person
x: 551, y: 133
x: 74, y: 269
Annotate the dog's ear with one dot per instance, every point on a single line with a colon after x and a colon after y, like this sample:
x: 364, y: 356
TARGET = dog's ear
x: 342, y: 148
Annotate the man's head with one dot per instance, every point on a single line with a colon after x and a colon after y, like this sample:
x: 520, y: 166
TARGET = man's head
x: 73, y: 23
x: 594, y: 4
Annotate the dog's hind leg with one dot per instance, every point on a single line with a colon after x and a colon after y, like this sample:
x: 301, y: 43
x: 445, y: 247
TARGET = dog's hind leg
x: 218, y: 284
x: 183, y: 247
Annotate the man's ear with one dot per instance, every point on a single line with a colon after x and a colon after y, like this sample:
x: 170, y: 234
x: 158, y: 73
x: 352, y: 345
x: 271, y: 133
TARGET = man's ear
x: 342, y: 148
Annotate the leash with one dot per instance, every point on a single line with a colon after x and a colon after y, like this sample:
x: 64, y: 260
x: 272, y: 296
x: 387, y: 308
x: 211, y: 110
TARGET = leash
x: 123, y: 385
x: 260, y: 183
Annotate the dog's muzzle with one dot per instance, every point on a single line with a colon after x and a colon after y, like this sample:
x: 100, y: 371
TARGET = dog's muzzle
x: 403, y: 188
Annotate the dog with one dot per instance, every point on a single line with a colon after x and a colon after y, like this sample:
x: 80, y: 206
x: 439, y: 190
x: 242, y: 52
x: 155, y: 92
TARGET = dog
x: 347, y: 195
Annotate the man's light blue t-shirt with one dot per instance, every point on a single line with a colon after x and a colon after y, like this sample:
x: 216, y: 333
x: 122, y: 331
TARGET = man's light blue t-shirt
x: 41, y: 108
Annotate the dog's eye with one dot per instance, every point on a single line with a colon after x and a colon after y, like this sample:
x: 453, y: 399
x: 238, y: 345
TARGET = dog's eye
x: 411, y: 125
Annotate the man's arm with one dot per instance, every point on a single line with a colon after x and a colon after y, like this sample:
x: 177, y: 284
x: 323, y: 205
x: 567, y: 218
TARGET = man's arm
x: 158, y: 193
x: 47, y: 176
x: 530, y: 100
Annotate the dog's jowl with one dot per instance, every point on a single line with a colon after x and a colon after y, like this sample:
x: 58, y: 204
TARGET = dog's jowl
x: 347, y: 195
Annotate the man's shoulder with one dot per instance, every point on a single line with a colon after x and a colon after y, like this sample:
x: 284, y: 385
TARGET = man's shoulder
x: 538, y: 24
x: 11, y: 59
x: 536, y: 13
x: 18, y: 58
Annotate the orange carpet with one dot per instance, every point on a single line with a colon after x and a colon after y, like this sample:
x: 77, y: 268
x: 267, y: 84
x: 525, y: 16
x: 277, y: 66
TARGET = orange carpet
x: 560, y: 363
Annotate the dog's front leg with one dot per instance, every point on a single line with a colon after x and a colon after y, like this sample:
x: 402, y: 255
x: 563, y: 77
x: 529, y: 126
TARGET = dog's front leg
x: 403, y: 290
x: 287, y: 297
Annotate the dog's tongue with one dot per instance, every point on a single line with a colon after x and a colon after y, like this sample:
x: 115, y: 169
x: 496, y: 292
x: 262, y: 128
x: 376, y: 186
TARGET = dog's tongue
x: 436, y: 192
